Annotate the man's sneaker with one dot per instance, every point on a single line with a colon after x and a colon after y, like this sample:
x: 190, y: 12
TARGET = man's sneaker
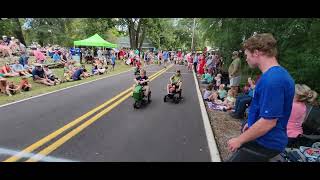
x: 235, y: 116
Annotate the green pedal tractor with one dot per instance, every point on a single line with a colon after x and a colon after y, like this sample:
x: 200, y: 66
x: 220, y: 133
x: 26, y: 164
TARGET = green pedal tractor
x: 139, y: 97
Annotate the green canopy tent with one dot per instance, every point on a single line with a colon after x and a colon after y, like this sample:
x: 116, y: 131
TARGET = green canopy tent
x: 94, y: 40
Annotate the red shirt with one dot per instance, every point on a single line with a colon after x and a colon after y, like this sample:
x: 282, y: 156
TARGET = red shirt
x: 5, y: 67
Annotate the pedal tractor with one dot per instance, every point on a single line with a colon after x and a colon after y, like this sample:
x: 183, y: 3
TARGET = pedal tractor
x: 139, y: 97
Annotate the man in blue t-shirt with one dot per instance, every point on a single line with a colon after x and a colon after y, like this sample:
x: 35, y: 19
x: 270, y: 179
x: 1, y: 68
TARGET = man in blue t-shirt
x: 165, y: 56
x: 265, y: 134
x: 78, y: 74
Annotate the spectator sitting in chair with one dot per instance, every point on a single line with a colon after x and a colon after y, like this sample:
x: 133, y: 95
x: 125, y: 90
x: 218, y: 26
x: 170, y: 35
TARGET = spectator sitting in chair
x: 303, y: 95
x: 39, y: 76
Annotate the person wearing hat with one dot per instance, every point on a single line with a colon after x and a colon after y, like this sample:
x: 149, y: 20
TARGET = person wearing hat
x: 39, y: 76
x: 6, y: 40
x: 234, y: 71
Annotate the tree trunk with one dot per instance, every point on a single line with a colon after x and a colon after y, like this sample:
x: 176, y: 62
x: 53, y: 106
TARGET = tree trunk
x: 142, y: 39
x: 137, y: 33
x: 17, y: 31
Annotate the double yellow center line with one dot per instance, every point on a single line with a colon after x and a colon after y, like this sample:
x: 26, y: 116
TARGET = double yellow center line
x: 125, y: 94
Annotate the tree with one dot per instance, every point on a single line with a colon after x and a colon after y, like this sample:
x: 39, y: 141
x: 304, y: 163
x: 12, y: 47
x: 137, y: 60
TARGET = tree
x: 12, y: 27
x: 298, y: 43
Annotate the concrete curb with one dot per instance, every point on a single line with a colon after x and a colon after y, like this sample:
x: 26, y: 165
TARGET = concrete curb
x: 214, y: 152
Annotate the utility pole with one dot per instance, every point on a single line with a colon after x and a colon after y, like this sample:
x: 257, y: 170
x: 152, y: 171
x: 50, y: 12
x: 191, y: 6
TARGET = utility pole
x: 194, y: 22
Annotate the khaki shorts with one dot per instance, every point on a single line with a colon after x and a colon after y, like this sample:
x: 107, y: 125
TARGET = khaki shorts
x: 235, y: 81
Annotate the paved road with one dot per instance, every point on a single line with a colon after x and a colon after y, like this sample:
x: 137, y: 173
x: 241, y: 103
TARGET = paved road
x: 158, y: 132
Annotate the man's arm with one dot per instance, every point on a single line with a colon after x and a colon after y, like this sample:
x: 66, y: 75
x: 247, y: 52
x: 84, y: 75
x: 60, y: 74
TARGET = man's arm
x: 261, y: 127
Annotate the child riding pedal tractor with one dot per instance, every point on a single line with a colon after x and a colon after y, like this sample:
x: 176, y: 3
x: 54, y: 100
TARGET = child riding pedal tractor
x: 141, y: 90
x: 174, y: 88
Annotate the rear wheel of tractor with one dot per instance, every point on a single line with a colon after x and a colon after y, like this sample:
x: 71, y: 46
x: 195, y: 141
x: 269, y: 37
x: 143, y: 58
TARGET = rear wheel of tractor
x: 165, y: 98
x: 176, y: 100
x: 149, y: 97
x: 136, y: 105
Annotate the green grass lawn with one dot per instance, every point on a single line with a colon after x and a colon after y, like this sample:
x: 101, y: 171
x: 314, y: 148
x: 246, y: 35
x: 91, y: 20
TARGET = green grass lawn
x: 38, y: 89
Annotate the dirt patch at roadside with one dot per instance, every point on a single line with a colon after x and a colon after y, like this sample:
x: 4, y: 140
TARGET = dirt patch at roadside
x: 224, y: 127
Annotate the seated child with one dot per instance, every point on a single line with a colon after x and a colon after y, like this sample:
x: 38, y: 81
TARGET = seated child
x: 214, y: 98
x: 207, y: 92
x: 222, y: 92
x: 218, y: 81
x: 206, y: 78
x: 230, y: 101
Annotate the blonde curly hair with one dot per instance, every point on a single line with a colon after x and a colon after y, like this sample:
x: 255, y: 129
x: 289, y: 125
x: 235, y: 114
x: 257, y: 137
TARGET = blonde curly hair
x: 304, y: 93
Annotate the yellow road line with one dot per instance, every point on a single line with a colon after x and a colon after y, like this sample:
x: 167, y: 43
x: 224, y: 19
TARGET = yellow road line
x: 77, y: 130
x: 49, y: 137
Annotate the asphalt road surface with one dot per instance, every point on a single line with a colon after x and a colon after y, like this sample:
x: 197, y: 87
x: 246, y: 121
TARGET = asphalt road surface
x: 158, y: 132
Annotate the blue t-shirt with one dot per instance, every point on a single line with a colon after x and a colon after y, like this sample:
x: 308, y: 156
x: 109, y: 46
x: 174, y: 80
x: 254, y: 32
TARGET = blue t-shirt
x: 113, y: 59
x: 76, y: 74
x: 37, y: 72
x: 273, y: 97
x: 17, y: 67
x: 165, y: 55
x: 56, y: 57
x: 251, y: 92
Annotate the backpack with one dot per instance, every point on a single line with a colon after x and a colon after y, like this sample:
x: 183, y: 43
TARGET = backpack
x: 311, y: 124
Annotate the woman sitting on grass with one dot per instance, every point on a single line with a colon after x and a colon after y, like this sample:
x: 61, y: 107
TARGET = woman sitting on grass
x: 7, y: 71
